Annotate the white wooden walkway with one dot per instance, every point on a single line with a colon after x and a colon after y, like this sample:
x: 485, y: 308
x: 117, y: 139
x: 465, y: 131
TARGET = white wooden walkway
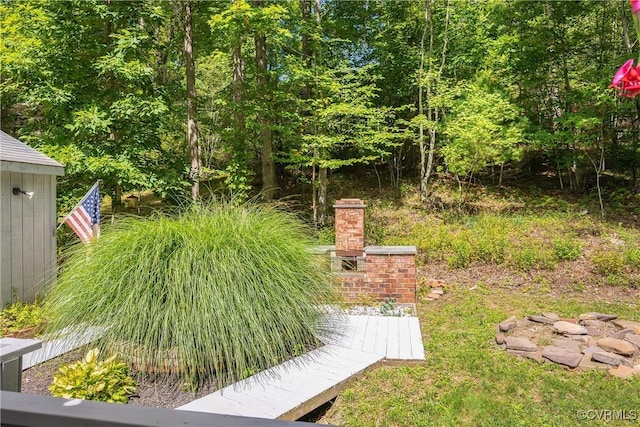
x: 55, y: 347
x: 296, y: 387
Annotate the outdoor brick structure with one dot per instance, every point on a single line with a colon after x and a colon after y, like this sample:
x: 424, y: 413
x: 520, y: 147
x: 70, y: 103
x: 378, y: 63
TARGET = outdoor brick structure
x: 372, y: 271
x: 349, y: 226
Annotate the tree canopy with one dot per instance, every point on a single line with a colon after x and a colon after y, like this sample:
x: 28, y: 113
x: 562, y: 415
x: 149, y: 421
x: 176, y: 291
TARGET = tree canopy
x: 289, y: 91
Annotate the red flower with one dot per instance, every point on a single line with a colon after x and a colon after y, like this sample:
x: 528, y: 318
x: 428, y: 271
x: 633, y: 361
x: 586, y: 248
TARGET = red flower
x: 627, y: 78
x: 635, y: 5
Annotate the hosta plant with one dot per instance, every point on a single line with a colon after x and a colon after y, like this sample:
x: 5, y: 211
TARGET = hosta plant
x: 92, y: 379
x: 208, y: 293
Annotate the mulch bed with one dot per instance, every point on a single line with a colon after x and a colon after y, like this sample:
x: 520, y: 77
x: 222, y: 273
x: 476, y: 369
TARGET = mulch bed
x: 165, y: 393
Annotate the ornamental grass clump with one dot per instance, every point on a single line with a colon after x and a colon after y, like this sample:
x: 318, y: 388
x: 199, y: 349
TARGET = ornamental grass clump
x: 209, y: 294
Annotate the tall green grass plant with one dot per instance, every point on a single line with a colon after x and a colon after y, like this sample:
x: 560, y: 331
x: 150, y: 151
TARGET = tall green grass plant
x: 213, y: 292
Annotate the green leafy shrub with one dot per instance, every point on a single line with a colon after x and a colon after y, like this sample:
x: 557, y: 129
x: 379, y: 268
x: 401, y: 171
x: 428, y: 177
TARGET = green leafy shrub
x: 20, y: 316
x: 567, y: 249
x: 462, y: 254
x: 207, y: 293
x: 608, y: 263
x: 530, y: 258
x: 632, y: 257
x: 619, y: 279
x: 92, y: 379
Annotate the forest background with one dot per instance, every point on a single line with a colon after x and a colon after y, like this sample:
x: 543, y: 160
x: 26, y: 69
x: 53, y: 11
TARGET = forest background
x: 275, y: 97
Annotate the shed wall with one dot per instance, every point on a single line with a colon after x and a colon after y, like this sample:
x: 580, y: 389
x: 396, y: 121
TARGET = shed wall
x: 27, y: 235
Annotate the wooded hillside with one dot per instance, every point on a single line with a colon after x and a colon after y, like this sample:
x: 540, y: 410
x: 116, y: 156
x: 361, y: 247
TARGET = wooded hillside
x: 262, y: 96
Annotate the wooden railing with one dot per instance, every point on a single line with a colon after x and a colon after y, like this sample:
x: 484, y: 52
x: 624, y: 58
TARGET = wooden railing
x: 25, y: 410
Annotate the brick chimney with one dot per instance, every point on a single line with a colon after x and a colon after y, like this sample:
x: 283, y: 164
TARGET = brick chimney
x: 349, y: 226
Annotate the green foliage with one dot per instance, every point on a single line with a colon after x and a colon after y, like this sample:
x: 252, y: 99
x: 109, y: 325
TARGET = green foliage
x: 326, y: 236
x: 567, y: 248
x: 209, y: 292
x: 632, y: 257
x: 528, y: 258
x: 92, y: 379
x: 20, y: 315
x: 388, y: 307
x: 608, y: 262
x: 467, y: 381
x: 522, y: 243
x: 485, y: 129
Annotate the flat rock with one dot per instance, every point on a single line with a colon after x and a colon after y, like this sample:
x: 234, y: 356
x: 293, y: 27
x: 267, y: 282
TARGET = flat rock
x: 541, y: 319
x: 519, y: 343
x: 593, y: 332
x: 618, y: 346
x: 499, y: 338
x: 551, y: 316
x: 508, y: 324
x: 563, y: 327
x: 587, y: 364
x: 593, y: 349
x: 562, y: 356
x: 603, y: 316
x: 437, y: 291
x: 633, y: 339
x: 585, y: 339
x: 588, y: 316
x: 622, y: 334
x: 623, y: 372
x: 593, y: 324
x: 610, y: 359
x: 567, y: 344
x: 627, y: 324
x: 433, y: 296
x: 533, y: 355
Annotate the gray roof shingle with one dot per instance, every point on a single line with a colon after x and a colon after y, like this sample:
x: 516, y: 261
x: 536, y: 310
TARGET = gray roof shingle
x: 13, y: 150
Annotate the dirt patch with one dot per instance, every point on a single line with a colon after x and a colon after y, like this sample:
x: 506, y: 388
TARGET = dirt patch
x: 165, y: 392
x: 568, y: 280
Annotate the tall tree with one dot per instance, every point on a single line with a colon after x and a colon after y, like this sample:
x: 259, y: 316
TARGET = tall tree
x: 269, y: 178
x: 192, y: 128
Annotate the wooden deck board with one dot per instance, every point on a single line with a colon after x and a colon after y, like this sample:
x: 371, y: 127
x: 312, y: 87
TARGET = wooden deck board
x: 55, y: 347
x: 276, y: 391
x: 417, y: 347
x: 393, y: 344
x: 382, y: 338
x: 404, y: 339
x: 371, y: 335
x: 295, y: 387
x: 360, y: 329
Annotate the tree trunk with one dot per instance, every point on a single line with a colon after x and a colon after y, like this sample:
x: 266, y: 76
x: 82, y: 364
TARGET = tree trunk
x: 323, y: 181
x: 269, y: 179
x: 305, y: 6
x: 192, y: 129
x: 323, y: 176
x: 424, y: 175
x: 433, y: 115
x: 237, y: 87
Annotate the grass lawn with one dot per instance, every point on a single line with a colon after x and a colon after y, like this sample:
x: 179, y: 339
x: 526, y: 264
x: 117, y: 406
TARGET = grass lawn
x: 524, y: 253
x: 467, y: 380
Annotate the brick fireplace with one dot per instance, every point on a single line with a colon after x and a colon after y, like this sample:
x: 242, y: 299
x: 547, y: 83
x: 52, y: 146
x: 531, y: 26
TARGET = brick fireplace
x: 380, y: 272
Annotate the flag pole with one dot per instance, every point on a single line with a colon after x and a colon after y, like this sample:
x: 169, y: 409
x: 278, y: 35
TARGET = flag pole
x: 77, y: 204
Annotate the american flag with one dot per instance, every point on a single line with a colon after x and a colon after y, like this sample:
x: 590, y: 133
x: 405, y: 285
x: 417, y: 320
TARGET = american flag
x: 85, y: 218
